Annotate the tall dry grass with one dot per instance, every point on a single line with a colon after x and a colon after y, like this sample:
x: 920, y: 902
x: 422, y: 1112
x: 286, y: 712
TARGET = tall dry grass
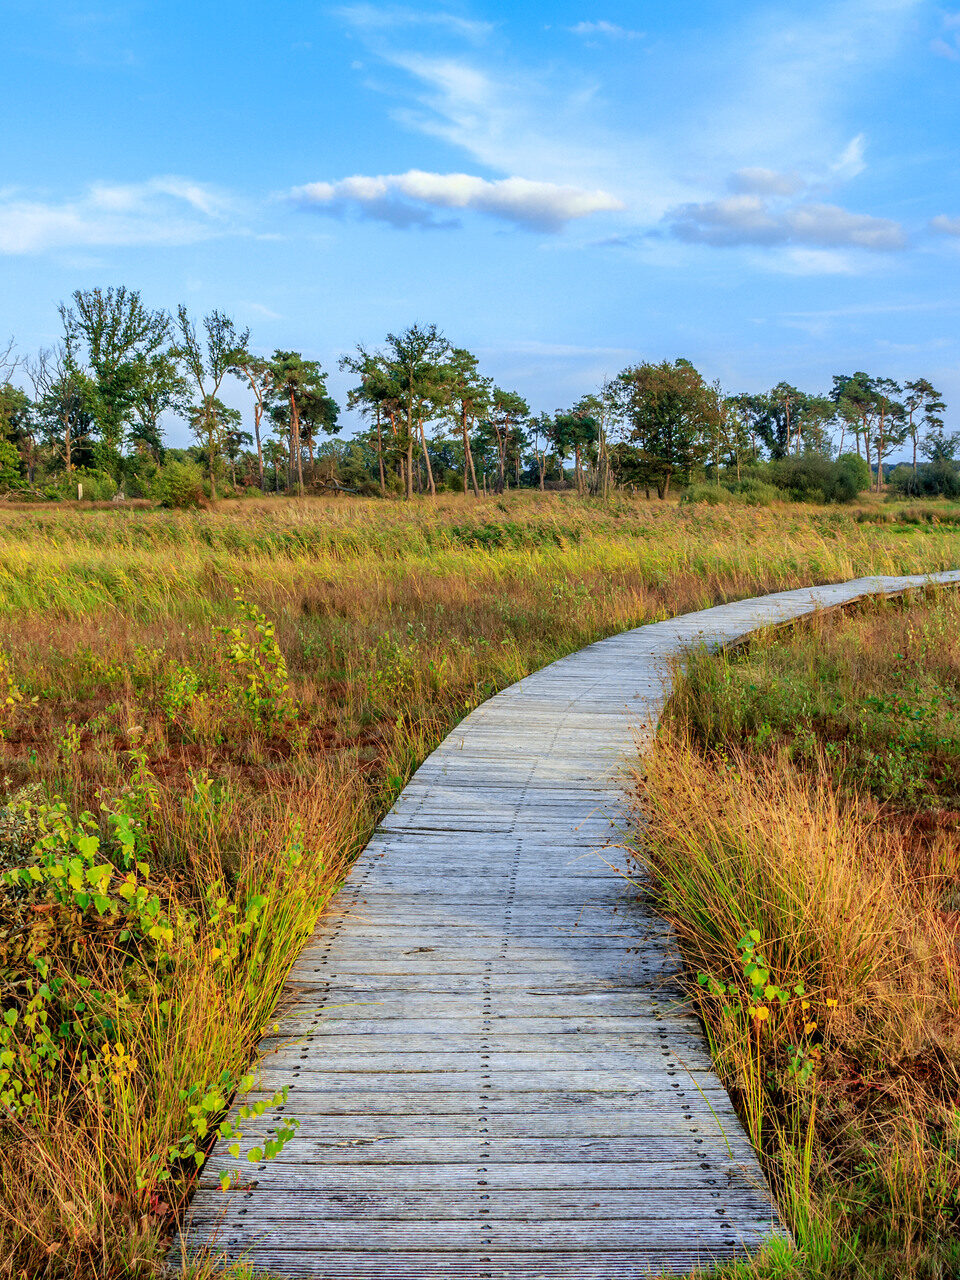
x: 819, y: 928
x: 120, y: 634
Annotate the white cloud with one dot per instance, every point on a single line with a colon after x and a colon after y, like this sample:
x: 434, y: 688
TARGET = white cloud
x: 258, y: 309
x: 609, y: 29
x: 519, y: 121
x: 411, y: 198
x: 750, y: 220
x: 850, y: 161
x: 765, y: 182
x: 762, y: 100
x: 945, y: 226
x: 784, y: 76
x: 947, y: 45
x: 371, y: 19
x: 166, y: 210
x: 813, y: 262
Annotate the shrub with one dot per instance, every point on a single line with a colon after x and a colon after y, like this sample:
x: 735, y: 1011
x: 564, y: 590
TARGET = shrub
x: 858, y: 469
x: 812, y: 477
x: 179, y: 485
x: 713, y: 495
x: 98, y: 486
x: 756, y: 493
x: 9, y: 465
x: 940, y: 479
x: 749, y: 491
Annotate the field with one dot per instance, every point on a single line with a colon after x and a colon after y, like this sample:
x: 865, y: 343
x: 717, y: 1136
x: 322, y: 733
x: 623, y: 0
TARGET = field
x: 803, y: 801
x: 203, y: 715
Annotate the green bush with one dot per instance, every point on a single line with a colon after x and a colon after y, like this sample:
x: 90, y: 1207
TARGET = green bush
x: 940, y: 479
x: 754, y: 492
x: 712, y: 494
x: 9, y: 465
x: 813, y: 477
x: 179, y: 485
x: 98, y: 486
x: 858, y: 469
x: 749, y: 491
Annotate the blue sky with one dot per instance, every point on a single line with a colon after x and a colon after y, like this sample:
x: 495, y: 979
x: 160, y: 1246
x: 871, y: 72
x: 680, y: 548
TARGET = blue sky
x: 769, y: 190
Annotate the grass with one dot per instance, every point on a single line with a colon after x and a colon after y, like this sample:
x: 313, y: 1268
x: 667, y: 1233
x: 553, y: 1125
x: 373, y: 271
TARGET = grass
x: 803, y: 811
x: 202, y: 718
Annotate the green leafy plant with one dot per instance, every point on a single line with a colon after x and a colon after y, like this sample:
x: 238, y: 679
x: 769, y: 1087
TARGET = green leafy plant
x: 263, y: 687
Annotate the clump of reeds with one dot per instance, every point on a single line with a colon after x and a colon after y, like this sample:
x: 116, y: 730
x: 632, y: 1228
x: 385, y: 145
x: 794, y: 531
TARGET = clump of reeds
x: 819, y: 931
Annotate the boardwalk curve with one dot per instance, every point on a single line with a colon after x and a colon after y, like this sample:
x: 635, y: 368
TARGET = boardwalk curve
x: 485, y: 1047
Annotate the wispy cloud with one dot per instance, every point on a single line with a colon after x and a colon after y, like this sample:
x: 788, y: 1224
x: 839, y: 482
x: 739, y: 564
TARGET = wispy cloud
x: 411, y: 198
x: 258, y: 309
x: 373, y: 19
x: 784, y: 76
x: 751, y: 220
x: 852, y: 159
x: 765, y: 182
x: 608, y: 30
x: 945, y: 226
x: 166, y: 210
x: 556, y: 125
x: 947, y: 44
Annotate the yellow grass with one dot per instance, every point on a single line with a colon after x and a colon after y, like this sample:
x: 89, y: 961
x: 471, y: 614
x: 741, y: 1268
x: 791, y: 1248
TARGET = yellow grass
x: 252, y: 768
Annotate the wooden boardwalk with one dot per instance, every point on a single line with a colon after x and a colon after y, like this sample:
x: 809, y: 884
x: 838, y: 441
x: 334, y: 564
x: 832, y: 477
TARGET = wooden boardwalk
x: 486, y: 1046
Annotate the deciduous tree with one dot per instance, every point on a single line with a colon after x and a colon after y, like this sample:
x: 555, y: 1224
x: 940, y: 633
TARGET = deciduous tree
x: 414, y: 357
x: 112, y: 337
x: 206, y: 361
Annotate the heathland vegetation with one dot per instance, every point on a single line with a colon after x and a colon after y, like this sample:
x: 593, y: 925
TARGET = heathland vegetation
x: 86, y: 417
x: 802, y: 807
x: 204, y: 713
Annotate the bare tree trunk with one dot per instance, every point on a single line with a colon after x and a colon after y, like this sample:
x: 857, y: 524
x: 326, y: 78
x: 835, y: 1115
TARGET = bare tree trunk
x: 68, y: 443
x: 468, y: 458
x: 213, y: 482
x: 409, y: 450
x: 257, y: 418
x: 295, y: 441
x: 426, y: 458
x: 383, y: 478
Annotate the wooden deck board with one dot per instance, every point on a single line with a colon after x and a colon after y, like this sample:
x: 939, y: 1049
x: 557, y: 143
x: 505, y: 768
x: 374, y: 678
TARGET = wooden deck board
x: 484, y: 1041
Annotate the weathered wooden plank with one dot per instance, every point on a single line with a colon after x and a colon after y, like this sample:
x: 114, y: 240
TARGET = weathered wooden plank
x: 682, y: 1044
x: 320, y: 1022
x: 489, y: 1057
x: 313, y: 1076
x: 544, y: 1206
x: 583, y: 1234
x: 693, y: 1176
x: 653, y: 1120
x: 489, y: 1264
x: 494, y: 1070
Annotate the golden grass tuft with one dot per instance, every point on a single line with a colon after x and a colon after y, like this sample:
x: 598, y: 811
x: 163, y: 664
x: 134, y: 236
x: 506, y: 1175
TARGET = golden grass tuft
x: 392, y: 622
x: 845, y: 1060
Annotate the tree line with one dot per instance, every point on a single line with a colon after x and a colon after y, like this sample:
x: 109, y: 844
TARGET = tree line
x: 91, y: 408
